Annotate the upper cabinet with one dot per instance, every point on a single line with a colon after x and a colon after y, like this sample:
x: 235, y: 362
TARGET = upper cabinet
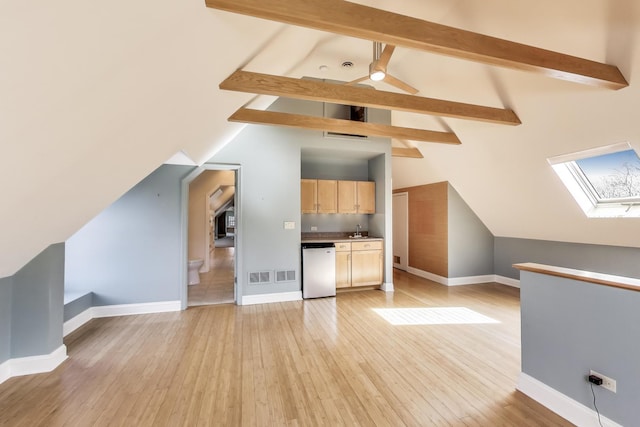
x: 357, y: 197
x: 318, y: 196
x: 327, y: 196
x: 366, y: 197
x: 330, y: 196
x: 347, y: 197
x: 309, y: 195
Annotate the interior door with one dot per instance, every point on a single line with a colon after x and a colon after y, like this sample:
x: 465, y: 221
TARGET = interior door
x: 401, y: 230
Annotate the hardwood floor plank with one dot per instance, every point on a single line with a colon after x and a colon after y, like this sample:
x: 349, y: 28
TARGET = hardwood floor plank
x: 330, y: 361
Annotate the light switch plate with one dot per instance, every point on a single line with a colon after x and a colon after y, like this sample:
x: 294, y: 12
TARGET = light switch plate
x: 289, y: 225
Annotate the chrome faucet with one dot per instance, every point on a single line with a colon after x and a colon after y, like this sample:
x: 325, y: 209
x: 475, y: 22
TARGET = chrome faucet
x: 357, y: 234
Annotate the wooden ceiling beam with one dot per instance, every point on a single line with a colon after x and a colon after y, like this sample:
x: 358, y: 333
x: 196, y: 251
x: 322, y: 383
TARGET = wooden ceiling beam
x: 355, y: 20
x: 315, y: 90
x: 412, y: 153
x: 348, y: 127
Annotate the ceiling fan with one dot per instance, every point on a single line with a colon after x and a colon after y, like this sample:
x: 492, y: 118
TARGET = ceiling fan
x: 378, y: 69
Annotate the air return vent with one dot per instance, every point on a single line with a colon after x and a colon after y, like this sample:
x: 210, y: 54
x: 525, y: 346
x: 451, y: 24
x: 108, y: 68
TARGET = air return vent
x: 285, y: 276
x: 259, y: 277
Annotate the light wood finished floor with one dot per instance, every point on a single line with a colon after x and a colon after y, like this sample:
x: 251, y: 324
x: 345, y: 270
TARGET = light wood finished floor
x: 216, y: 286
x: 327, y: 362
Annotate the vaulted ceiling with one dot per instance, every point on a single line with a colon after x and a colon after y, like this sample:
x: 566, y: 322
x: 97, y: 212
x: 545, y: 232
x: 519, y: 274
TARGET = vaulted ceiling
x: 96, y: 96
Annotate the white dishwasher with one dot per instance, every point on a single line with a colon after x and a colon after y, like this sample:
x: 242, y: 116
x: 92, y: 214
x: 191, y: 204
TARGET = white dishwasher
x: 318, y: 270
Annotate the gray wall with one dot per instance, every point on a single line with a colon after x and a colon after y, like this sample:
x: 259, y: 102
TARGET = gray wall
x: 6, y: 288
x: 37, y: 304
x: 271, y: 168
x: 77, y: 305
x: 269, y: 196
x: 470, y: 241
x: 130, y: 252
x: 617, y: 260
x: 381, y: 223
x: 570, y: 327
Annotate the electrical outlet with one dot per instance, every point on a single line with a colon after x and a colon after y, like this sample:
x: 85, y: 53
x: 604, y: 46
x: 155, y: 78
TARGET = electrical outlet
x: 314, y: 228
x: 289, y: 225
x: 608, y: 383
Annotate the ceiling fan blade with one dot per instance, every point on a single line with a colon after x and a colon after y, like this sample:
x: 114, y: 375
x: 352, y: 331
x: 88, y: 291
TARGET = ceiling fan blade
x: 383, y: 61
x: 356, y: 81
x: 393, y: 81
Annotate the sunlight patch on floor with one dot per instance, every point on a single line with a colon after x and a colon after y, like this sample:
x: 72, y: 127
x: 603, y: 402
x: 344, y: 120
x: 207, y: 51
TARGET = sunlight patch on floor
x: 432, y: 316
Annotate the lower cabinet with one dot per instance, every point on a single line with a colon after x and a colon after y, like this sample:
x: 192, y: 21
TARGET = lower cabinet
x: 343, y: 265
x: 359, y: 263
x: 366, y: 263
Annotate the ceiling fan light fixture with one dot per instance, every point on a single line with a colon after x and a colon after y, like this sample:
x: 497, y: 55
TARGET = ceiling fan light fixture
x: 377, y: 75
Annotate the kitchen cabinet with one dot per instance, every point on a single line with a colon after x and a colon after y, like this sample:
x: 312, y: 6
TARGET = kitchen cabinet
x: 308, y: 195
x: 359, y: 263
x: 366, y: 197
x: 366, y: 263
x: 327, y: 196
x: 318, y: 196
x: 343, y: 265
x: 356, y: 197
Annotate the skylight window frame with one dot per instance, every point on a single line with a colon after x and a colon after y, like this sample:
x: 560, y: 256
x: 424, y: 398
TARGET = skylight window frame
x: 583, y: 191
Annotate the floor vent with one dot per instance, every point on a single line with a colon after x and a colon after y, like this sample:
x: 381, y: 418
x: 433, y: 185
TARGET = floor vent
x: 259, y: 277
x: 285, y: 276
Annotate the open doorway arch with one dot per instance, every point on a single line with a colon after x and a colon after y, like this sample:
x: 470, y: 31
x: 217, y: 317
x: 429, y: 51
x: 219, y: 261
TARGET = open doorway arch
x: 185, y: 184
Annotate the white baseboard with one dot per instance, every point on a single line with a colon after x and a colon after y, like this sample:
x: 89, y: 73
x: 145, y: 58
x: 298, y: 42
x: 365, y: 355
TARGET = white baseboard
x: 5, y: 370
x: 468, y: 280
x: 387, y: 287
x: 569, y: 409
x: 129, y: 309
x: 507, y: 281
x: 118, y: 310
x: 33, y: 364
x: 77, y: 321
x: 427, y: 275
x: 269, y: 298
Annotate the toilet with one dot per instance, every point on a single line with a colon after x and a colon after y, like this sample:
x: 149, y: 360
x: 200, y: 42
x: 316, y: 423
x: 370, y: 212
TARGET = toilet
x: 194, y: 274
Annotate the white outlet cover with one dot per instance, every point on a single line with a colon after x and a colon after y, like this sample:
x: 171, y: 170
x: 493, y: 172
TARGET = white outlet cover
x: 314, y: 228
x: 608, y: 383
x: 289, y: 225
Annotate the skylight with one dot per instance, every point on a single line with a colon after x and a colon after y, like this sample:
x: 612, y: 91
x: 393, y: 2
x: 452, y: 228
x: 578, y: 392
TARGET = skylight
x: 604, y: 181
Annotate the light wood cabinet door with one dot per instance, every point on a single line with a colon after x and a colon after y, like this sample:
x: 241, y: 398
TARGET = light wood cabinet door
x: 308, y: 195
x: 347, y: 196
x: 343, y: 269
x: 366, y: 191
x: 327, y: 196
x: 366, y: 267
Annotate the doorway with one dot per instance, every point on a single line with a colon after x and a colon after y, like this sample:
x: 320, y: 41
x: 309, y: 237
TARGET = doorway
x: 211, y: 212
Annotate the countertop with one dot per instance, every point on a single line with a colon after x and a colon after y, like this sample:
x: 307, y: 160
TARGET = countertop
x: 335, y: 237
x: 341, y: 239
